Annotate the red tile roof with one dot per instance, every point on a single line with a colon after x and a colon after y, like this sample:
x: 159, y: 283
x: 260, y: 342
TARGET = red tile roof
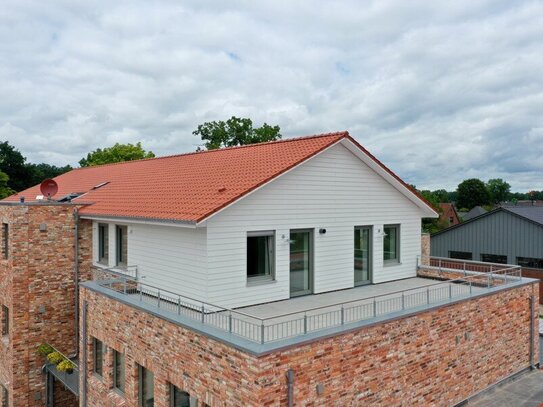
x: 186, y: 187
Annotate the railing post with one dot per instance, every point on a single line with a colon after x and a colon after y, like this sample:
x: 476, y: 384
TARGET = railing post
x: 305, y: 323
x: 203, y: 311
x: 158, y: 297
x: 124, y: 287
x: 374, y: 307
x: 403, y: 301
x: 428, y: 295
x: 342, y: 315
x: 464, y: 269
x: 418, y: 266
x: 262, y: 332
x: 439, y: 266
x: 469, y: 287
x: 450, y: 291
x: 488, y: 281
x: 230, y: 322
x: 179, y: 305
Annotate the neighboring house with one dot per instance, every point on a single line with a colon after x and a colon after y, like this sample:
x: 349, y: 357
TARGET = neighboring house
x: 269, y: 274
x: 506, y: 235
x: 473, y: 213
x: 448, y: 215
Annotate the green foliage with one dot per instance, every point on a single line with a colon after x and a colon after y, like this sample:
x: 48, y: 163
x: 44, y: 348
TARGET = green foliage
x: 472, y: 192
x: 115, y: 154
x: 235, y: 132
x: 40, y: 172
x: 55, y: 358
x: 5, y: 190
x: 45, y: 349
x: 498, y: 189
x: 66, y: 366
x: 12, y: 163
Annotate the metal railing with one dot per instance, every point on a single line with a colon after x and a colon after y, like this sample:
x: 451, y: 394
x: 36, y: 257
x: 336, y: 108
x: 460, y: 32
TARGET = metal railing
x: 288, y: 325
x: 70, y: 380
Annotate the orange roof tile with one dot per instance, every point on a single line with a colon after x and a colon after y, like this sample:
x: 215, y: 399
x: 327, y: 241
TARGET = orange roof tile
x: 186, y: 187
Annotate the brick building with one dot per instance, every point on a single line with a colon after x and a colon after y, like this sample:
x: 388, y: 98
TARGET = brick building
x: 279, y: 274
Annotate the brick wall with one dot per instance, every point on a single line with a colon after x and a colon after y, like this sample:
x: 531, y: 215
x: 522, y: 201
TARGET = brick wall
x: 437, y: 357
x: 37, y: 284
x: 425, y: 248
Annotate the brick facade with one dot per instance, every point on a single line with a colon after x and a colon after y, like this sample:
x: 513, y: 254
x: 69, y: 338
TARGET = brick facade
x: 37, y: 285
x: 433, y: 358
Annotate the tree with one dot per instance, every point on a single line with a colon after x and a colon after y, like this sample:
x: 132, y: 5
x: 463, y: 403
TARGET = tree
x: 498, y: 189
x: 12, y: 164
x: 115, y: 154
x: 472, y: 192
x: 234, y: 132
x: 40, y: 172
x: 5, y: 191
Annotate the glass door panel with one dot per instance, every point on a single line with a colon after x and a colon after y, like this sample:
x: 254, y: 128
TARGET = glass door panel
x: 301, y: 262
x: 362, y: 255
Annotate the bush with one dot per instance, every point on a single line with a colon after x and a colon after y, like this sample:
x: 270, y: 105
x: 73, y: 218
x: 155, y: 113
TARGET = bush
x: 55, y: 358
x: 66, y: 366
x: 45, y: 349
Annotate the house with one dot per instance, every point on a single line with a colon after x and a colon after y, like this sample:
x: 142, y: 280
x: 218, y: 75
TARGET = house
x: 448, y: 216
x: 473, y: 213
x: 268, y: 274
x: 506, y: 235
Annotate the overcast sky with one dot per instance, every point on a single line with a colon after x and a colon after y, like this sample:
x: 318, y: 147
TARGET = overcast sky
x: 438, y: 90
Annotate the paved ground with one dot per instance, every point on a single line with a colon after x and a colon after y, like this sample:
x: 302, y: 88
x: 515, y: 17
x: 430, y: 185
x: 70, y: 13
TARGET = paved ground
x: 524, y: 391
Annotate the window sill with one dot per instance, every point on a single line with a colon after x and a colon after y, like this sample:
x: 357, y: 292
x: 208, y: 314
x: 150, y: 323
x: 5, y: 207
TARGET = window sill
x: 392, y: 264
x: 97, y: 376
x: 118, y: 392
x: 260, y: 281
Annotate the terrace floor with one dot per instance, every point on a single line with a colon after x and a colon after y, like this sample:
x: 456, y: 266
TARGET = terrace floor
x: 389, y: 290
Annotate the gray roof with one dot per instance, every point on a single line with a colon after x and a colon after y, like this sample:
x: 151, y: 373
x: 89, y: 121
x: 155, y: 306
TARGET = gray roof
x: 533, y: 213
x: 477, y: 211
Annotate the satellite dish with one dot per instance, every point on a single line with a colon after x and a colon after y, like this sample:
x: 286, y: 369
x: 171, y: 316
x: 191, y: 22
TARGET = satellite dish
x: 49, y: 188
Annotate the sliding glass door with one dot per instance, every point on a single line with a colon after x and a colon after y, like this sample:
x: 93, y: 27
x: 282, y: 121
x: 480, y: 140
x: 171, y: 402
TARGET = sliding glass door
x: 362, y: 255
x: 301, y: 262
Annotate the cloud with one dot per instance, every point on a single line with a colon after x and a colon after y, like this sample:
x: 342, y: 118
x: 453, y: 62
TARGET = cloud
x: 439, y: 91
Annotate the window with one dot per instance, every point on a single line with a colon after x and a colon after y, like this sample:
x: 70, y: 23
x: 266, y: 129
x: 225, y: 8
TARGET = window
x: 98, y: 356
x: 530, y: 262
x: 391, y: 244
x: 146, y: 387
x: 118, y: 370
x: 122, y: 246
x: 493, y: 258
x: 451, y: 219
x: 5, y: 395
x: 5, y: 240
x: 261, y: 255
x: 179, y: 398
x: 103, y: 243
x: 5, y: 320
x: 461, y: 255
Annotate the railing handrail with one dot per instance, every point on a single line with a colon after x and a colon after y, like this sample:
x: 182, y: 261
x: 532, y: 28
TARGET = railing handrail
x: 341, y: 303
x: 482, y: 263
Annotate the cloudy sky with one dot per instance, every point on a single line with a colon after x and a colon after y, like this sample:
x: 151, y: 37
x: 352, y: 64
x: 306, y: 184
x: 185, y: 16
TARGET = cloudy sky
x: 439, y: 90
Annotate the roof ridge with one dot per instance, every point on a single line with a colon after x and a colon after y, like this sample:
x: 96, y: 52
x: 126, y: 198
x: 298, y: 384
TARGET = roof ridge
x: 286, y: 140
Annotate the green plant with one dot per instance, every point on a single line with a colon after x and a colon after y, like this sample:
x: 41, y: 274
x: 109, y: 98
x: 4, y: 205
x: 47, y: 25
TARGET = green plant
x: 66, y: 366
x: 45, y: 349
x: 55, y: 358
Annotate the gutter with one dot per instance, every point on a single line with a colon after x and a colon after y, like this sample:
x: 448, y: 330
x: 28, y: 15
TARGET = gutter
x: 290, y: 388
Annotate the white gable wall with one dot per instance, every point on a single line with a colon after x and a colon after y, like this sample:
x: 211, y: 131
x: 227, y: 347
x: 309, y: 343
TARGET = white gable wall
x: 334, y: 190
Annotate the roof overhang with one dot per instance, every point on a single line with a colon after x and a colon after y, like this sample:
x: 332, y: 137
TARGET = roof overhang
x: 139, y: 220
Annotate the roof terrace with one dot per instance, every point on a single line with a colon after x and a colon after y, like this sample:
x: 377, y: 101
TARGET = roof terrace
x: 263, y: 328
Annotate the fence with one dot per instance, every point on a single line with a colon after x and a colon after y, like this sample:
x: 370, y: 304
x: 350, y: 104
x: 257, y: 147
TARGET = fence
x: 463, y: 280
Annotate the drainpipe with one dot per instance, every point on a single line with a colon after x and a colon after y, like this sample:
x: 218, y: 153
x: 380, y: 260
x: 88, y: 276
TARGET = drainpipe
x: 290, y: 391
x: 76, y: 279
x: 83, y: 365
x: 532, y: 322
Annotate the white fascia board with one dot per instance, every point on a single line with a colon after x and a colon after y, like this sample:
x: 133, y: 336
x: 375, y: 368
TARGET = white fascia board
x: 128, y: 220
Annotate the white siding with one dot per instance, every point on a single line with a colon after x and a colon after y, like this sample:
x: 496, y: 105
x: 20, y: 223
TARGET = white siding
x: 334, y: 190
x: 170, y: 258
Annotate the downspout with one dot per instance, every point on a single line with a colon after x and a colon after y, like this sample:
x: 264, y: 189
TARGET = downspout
x: 83, y: 371
x: 532, y: 331
x: 290, y: 388
x: 76, y: 279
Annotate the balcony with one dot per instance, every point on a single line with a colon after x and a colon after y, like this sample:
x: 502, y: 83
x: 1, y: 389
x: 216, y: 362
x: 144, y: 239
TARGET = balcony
x: 266, y: 327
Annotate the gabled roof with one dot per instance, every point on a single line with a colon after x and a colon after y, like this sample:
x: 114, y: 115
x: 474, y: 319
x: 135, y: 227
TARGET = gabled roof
x: 191, y: 187
x: 476, y: 211
x: 532, y: 214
